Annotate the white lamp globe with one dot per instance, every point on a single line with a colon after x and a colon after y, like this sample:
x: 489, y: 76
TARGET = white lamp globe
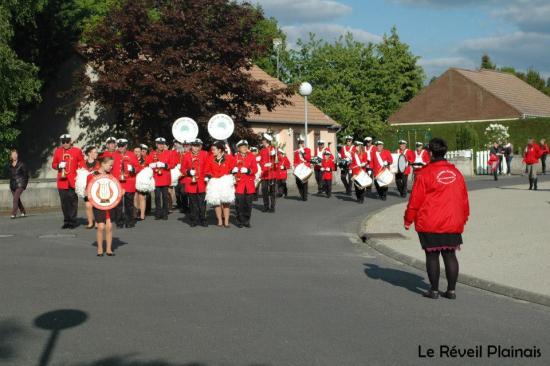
x: 305, y: 89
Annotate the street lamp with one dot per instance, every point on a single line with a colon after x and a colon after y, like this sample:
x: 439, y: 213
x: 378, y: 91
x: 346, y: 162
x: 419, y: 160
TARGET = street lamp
x: 305, y: 91
x: 277, y: 42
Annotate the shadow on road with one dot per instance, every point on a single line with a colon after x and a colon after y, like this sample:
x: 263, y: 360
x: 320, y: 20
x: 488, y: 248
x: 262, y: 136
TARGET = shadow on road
x: 407, y: 280
x: 10, y: 332
x: 116, y: 243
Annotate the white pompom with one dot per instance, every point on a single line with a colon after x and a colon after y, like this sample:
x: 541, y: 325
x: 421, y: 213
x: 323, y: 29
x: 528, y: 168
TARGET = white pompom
x: 80, y: 182
x: 145, y: 181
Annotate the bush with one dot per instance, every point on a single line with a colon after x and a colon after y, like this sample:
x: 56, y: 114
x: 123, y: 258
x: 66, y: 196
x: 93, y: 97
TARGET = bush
x: 466, y: 138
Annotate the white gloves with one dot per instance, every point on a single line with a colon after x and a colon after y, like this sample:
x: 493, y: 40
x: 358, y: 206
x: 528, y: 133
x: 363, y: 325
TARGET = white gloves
x: 244, y: 170
x: 272, y: 152
x: 268, y: 165
x: 62, y: 165
x: 153, y: 165
x: 192, y: 172
x: 258, y: 158
x: 283, y: 167
x: 206, y: 179
x: 130, y: 168
x: 235, y: 170
x: 162, y: 165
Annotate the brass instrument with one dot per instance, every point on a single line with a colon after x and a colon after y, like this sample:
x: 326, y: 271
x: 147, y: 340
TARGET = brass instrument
x: 194, y: 158
x: 67, y: 160
x: 156, y: 160
x: 123, y: 169
x: 239, y: 165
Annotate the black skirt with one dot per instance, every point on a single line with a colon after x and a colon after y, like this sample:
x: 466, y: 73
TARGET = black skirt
x: 438, y: 242
x: 101, y: 216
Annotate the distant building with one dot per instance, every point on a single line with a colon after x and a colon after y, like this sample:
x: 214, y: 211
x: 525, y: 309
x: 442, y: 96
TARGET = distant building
x: 473, y: 96
x: 287, y: 122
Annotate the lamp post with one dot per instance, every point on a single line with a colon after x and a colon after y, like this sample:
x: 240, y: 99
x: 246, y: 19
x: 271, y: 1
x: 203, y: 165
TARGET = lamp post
x: 277, y: 42
x: 305, y: 91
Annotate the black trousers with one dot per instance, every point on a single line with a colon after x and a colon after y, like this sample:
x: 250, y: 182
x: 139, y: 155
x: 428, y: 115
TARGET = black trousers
x: 125, y: 209
x: 197, y: 207
x: 161, y: 202
x: 360, y: 194
x: 326, y: 187
x: 401, y: 180
x: 17, y: 204
x: 382, y: 191
x: 345, y: 175
x: 69, y: 205
x: 543, y: 162
x: 320, y: 182
x: 302, y: 188
x: 182, y: 199
x: 282, y: 189
x: 269, y: 192
x: 243, y: 205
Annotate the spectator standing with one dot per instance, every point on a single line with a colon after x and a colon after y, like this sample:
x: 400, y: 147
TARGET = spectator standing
x: 19, y: 178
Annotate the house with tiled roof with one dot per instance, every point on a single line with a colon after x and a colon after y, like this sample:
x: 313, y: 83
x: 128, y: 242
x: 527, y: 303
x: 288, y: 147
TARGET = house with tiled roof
x: 461, y: 95
x: 287, y: 122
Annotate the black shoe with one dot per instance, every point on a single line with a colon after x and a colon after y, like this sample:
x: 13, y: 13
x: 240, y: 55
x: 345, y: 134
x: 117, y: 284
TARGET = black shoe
x: 272, y: 209
x: 192, y: 224
x: 204, y: 224
x: 431, y: 294
x: 73, y: 226
x: 158, y: 218
x: 120, y: 226
x: 383, y: 198
x: 449, y: 295
x: 247, y: 224
x: 100, y: 255
x: 239, y: 225
x: 66, y: 226
x: 265, y: 209
x: 110, y: 254
x: 130, y: 225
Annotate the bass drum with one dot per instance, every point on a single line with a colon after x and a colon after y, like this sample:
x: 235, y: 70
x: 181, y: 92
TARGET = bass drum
x: 384, y: 178
x: 362, y: 180
x: 303, y: 172
x: 402, y: 164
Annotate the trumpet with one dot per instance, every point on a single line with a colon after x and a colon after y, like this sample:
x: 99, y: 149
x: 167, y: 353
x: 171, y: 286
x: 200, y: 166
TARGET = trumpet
x: 122, y: 171
x: 194, y: 177
x: 67, y: 160
x: 156, y: 159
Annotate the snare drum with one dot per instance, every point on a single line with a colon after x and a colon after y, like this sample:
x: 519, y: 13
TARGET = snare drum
x: 384, y: 177
x: 362, y: 180
x: 303, y: 172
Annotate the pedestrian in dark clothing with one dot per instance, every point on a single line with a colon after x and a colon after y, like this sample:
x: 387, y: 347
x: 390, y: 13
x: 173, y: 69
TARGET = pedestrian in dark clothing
x: 19, y: 178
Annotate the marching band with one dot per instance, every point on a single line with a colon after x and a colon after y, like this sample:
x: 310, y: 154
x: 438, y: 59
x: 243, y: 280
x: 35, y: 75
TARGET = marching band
x: 217, y: 177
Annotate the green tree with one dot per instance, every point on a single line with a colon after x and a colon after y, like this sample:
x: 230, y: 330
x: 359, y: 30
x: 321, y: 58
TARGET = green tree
x: 486, y: 62
x: 466, y: 138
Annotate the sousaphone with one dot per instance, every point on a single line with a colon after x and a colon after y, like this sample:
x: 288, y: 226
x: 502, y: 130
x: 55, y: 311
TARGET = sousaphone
x: 220, y: 127
x: 185, y: 129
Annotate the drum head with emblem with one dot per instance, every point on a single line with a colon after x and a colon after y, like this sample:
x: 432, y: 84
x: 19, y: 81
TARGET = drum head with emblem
x: 104, y: 192
x: 185, y: 129
x: 221, y: 126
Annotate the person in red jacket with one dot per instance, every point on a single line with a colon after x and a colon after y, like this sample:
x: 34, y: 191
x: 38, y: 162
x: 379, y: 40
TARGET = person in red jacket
x: 439, y: 209
x: 358, y: 164
x: 302, y: 156
x: 282, y: 174
x: 421, y: 158
x: 544, y: 150
x: 317, y: 159
x: 346, y: 155
x: 193, y: 168
x: 110, y: 148
x: 66, y: 160
x: 268, y: 163
x: 531, y: 159
x: 91, y: 164
x: 160, y: 160
x: 125, y: 168
x: 327, y: 167
x: 220, y: 191
x: 401, y: 179
x: 382, y: 159
x: 245, y: 173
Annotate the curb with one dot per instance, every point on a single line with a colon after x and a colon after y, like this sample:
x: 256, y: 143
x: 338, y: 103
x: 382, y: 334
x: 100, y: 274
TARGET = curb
x: 464, y: 279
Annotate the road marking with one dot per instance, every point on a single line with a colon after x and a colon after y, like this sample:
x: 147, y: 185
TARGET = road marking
x: 6, y: 235
x: 56, y: 236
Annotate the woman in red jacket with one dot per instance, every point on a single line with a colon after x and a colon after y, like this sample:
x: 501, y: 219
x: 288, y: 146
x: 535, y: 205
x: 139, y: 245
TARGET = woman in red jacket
x: 439, y: 209
x: 544, y: 150
x: 531, y: 159
x: 220, y: 191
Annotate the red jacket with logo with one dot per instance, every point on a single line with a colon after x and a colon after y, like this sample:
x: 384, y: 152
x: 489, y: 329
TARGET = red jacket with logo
x: 439, y: 200
x: 245, y: 181
x: 162, y: 176
x: 327, y: 167
x: 123, y: 162
x: 282, y: 168
x: 532, y: 154
x: 196, y: 163
x: 73, y: 159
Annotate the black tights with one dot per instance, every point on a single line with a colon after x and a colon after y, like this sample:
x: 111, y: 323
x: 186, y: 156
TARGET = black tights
x: 451, y: 268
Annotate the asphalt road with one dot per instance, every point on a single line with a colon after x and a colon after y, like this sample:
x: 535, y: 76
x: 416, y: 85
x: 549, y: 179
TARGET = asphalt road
x: 298, y: 288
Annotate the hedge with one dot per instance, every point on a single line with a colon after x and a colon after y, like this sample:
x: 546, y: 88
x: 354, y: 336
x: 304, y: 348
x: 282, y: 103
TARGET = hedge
x: 519, y: 130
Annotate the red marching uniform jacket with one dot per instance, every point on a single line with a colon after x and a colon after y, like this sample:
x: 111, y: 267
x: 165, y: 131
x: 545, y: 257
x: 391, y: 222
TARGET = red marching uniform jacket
x: 320, y: 154
x: 267, y: 163
x: 73, y: 159
x: 282, y: 168
x: 423, y: 157
x: 532, y: 154
x: 197, y: 163
x: 347, y: 151
x: 162, y: 176
x: 439, y: 200
x: 245, y: 181
x: 409, y: 154
x: 370, y: 153
x: 218, y: 170
x: 302, y: 156
x: 359, y: 161
x: 129, y: 164
x: 327, y: 167
x: 381, y: 160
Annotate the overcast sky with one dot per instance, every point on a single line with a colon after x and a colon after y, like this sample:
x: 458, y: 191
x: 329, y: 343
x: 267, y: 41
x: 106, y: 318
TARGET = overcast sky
x: 443, y: 33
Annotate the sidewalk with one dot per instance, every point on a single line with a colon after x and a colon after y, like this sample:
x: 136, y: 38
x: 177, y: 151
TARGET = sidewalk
x: 506, y: 241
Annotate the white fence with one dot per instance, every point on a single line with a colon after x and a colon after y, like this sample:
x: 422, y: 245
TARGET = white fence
x: 481, y: 167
